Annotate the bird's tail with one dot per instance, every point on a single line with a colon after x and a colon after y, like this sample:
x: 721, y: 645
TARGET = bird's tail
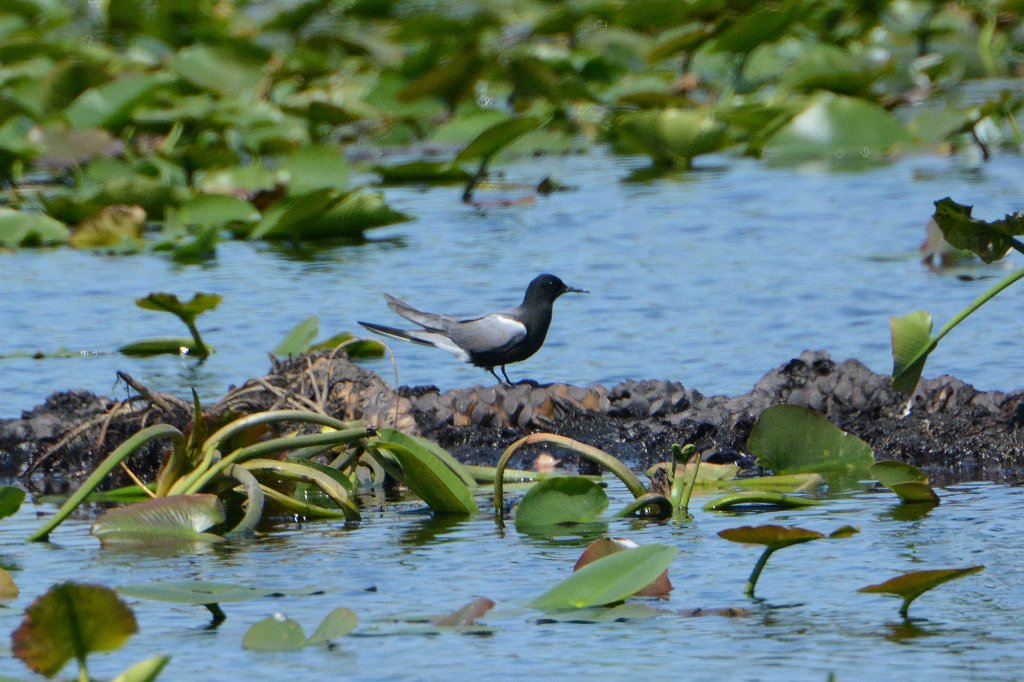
x: 432, y: 321
x: 423, y: 337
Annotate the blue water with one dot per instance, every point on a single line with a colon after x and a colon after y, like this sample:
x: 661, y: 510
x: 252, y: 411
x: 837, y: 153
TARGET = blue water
x: 806, y: 622
x: 710, y: 278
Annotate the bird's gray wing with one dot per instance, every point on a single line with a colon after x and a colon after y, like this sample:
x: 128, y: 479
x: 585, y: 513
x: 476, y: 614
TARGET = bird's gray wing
x: 433, y: 321
x: 487, y: 334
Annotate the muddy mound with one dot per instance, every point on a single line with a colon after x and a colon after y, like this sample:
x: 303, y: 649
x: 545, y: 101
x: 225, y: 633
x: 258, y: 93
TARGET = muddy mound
x: 949, y: 429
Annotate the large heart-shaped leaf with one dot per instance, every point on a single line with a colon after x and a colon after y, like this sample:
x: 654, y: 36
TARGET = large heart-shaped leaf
x: 560, y: 500
x: 71, y: 620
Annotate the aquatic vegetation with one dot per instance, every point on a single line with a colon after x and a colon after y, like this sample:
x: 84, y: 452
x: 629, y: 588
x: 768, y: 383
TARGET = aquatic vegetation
x: 912, y: 339
x: 278, y: 633
x: 206, y: 593
x: 187, y: 312
x: 300, y: 339
x: 912, y: 585
x: 73, y: 620
x: 774, y: 538
x: 906, y: 481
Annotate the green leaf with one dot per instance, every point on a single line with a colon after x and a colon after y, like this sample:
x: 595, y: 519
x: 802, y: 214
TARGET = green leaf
x: 275, y: 633
x: 8, y: 588
x: 906, y: 481
x: 337, y: 624
x: 990, y: 241
x: 190, y: 310
x: 213, y: 210
x: 773, y: 536
x: 299, y: 339
x: 71, y: 620
x: 162, y: 520
x: 316, y: 167
x: 673, y: 136
x: 757, y: 27
x: 219, y: 69
x: 912, y: 585
x: 493, y: 139
x: 561, y: 500
x: 199, y: 592
x: 325, y: 214
x: 427, y: 475
x: 144, y: 671
x: 759, y: 498
x: 164, y: 345
x: 792, y: 439
x: 19, y: 228
x: 422, y: 172
x: 11, y: 498
x: 912, y: 342
x: 840, y: 130
x: 608, y: 580
x: 110, y: 105
x: 363, y: 348
x: 602, y: 547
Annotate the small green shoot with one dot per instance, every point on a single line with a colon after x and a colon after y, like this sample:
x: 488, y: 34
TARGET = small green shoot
x: 774, y: 538
x: 912, y: 585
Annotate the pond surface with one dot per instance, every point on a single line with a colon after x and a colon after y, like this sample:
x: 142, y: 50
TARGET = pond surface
x: 807, y: 622
x: 710, y: 278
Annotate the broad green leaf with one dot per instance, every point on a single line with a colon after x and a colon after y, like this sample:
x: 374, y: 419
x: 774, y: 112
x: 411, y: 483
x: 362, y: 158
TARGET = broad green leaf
x: 792, y: 439
x: 451, y: 81
x: 602, y: 547
x: 316, y: 167
x: 166, y: 345
x: 422, y: 172
x: 11, y: 498
x: 275, y: 633
x: 395, y: 436
x: 300, y: 338
x: 363, y: 348
x: 911, y: 344
x: 560, y: 500
x: 199, y: 592
x: 188, y: 310
x: 335, y: 625
x: 770, y: 535
x: 162, y: 520
x: 110, y: 105
x: 990, y: 241
x: 71, y: 620
x: 427, y: 475
x: 758, y: 498
x: 673, y: 135
x: 608, y: 580
x: 906, y: 481
x: 493, y: 139
x: 144, y: 671
x: 840, y: 130
x: 219, y: 69
x: 326, y: 214
x: 214, y: 210
x: 912, y: 585
x: 19, y: 228
x: 762, y: 25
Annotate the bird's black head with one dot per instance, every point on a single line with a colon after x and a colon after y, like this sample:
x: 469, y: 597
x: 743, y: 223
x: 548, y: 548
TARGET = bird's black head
x: 548, y: 288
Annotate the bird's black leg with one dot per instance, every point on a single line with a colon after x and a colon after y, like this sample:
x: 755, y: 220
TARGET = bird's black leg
x: 509, y: 381
x: 496, y: 377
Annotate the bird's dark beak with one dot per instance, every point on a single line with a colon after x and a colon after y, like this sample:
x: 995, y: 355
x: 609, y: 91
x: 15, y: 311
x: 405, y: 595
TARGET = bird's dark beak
x: 574, y: 290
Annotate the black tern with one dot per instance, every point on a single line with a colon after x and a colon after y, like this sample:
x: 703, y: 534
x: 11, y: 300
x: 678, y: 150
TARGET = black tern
x: 488, y: 341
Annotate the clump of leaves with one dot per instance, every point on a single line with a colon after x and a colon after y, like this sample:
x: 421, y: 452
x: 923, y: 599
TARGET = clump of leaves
x: 912, y: 339
x: 910, y: 586
x: 774, y: 538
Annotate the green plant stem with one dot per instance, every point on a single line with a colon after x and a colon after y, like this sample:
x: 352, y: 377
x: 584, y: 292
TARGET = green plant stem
x: 905, y: 606
x: 756, y: 573
x: 199, y: 347
x: 586, y: 451
x: 978, y: 302
x: 306, y: 474
x: 254, y: 511
x: 294, y: 506
x: 106, y: 466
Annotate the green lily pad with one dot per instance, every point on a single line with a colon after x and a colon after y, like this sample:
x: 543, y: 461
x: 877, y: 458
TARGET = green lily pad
x: 71, y: 620
x: 186, y: 310
x: 673, y: 136
x: 422, y: 172
x: 911, y: 344
x: 906, y: 481
x: 560, y: 500
x: 201, y: 592
x: 325, y: 214
x: 162, y: 520
x: 790, y: 439
x: 275, y: 633
x: 335, y: 625
x: 20, y: 228
x: 219, y: 69
x: 110, y: 105
x: 11, y: 498
x: 495, y: 138
x: 316, y: 167
x: 608, y: 580
x: 163, y: 345
x: 910, y: 586
x: 213, y: 210
x: 841, y: 130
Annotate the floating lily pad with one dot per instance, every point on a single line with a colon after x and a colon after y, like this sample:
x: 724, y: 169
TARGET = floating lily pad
x: 673, y: 136
x: 71, y: 620
x: 110, y: 105
x: 278, y: 633
x: 910, y: 586
x: 560, y: 500
x: 162, y: 520
x: 608, y: 580
x: 199, y: 592
x: 792, y: 439
x: 906, y: 481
